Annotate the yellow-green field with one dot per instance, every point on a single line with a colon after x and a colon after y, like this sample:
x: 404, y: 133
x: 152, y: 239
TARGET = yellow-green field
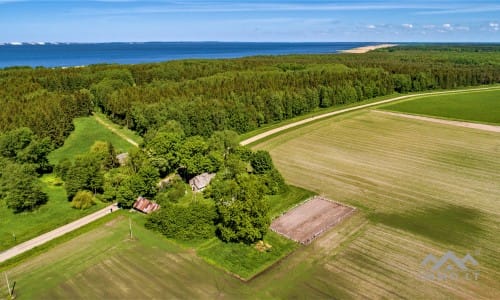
x: 422, y: 187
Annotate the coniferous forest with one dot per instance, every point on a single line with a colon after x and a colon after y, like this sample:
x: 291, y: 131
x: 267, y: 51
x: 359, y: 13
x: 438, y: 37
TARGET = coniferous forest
x: 205, y: 96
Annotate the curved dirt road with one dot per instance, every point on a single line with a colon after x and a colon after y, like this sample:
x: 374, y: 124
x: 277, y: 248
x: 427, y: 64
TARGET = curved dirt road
x: 338, y: 112
x: 98, y: 119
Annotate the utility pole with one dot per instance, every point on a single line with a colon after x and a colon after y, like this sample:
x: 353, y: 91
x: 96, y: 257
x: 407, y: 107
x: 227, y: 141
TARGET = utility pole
x: 130, y: 227
x: 8, y: 284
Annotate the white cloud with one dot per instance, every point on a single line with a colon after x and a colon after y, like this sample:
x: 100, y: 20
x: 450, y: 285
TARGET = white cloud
x: 494, y: 26
x: 481, y: 7
x: 462, y: 28
x: 409, y: 26
x: 371, y: 26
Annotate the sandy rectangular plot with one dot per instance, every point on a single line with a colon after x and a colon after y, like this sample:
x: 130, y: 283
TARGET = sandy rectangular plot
x: 308, y: 220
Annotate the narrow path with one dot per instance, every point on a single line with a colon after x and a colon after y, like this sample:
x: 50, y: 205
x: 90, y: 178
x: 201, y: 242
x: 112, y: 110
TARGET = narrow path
x: 98, y: 119
x: 42, y: 239
x: 479, y: 126
x: 338, y: 112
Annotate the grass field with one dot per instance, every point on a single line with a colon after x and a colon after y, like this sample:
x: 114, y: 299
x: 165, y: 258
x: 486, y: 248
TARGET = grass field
x: 423, y: 188
x: 56, y: 212
x: 483, y: 106
x: 17, y: 228
x: 87, y: 132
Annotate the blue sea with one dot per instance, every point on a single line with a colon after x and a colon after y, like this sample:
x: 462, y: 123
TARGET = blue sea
x: 76, y: 54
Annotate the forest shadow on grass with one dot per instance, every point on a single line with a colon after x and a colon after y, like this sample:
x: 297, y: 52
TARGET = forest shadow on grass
x: 451, y: 224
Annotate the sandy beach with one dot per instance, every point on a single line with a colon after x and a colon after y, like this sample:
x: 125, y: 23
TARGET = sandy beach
x: 368, y: 48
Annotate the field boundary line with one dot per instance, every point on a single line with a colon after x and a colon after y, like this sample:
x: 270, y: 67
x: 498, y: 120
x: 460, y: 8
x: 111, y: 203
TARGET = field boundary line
x: 338, y: 112
x: 101, y: 121
x: 479, y: 126
x: 60, y: 231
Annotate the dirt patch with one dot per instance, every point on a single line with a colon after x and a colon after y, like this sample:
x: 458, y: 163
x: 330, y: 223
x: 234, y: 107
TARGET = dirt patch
x: 307, y: 221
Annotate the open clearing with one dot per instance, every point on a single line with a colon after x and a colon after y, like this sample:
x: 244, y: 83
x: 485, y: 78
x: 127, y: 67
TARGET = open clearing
x: 480, y: 106
x: 307, y: 221
x: 87, y: 131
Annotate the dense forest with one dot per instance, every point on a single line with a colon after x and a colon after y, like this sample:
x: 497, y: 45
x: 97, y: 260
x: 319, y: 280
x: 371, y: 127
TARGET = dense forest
x: 235, y: 94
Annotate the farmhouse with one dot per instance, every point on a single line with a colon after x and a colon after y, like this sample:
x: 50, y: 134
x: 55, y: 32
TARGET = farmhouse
x: 144, y: 205
x: 198, y: 183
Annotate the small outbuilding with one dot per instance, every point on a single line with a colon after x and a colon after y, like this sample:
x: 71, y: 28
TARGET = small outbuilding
x: 145, y: 206
x: 200, y: 182
x: 122, y: 158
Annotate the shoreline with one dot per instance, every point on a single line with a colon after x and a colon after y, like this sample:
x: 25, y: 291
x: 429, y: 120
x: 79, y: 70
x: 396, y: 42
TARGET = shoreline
x: 365, y: 49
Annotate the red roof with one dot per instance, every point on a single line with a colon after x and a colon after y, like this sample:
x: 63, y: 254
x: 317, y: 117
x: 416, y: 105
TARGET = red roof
x: 144, y: 205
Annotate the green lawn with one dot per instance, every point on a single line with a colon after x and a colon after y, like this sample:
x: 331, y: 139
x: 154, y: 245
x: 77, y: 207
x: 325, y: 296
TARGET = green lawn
x: 244, y: 260
x: 293, y: 196
x: 241, y: 259
x: 481, y: 106
x: 87, y: 132
x: 56, y: 212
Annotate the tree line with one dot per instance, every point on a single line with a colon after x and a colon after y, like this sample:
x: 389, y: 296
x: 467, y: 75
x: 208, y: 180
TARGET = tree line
x: 242, y: 94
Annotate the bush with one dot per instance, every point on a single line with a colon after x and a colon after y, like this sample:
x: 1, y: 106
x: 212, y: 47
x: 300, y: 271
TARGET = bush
x: 192, y: 222
x: 83, y: 200
x: 173, y: 193
x: 261, y: 162
x: 274, y: 182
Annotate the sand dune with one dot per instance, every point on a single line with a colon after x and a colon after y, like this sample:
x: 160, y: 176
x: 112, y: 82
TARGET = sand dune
x: 368, y: 48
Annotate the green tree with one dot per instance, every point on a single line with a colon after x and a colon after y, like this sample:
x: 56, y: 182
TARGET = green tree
x: 106, y: 154
x: 14, y: 141
x: 243, y: 213
x: 192, y: 222
x: 84, y: 174
x: 224, y: 141
x: 83, y: 200
x: 23, y: 191
x: 36, y: 153
x: 261, y: 162
x: 194, y: 155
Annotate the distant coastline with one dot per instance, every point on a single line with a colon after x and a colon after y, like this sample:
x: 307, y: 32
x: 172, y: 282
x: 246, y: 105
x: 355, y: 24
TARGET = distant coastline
x: 50, y: 55
x: 365, y: 49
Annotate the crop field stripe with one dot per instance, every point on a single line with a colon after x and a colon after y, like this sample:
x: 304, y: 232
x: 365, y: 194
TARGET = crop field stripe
x: 425, y: 187
x: 478, y: 126
x: 275, y: 131
x: 481, y: 107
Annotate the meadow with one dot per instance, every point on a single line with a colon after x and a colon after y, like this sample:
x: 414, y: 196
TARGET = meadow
x: 480, y: 106
x: 17, y: 228
x: 87, y: 131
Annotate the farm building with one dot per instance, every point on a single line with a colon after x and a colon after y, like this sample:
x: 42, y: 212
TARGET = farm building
x: 122, y: 158
x: 198, y: 183
x: 144, y: 205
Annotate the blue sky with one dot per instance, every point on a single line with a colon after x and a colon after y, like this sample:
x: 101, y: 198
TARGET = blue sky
x: 224, y: 20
